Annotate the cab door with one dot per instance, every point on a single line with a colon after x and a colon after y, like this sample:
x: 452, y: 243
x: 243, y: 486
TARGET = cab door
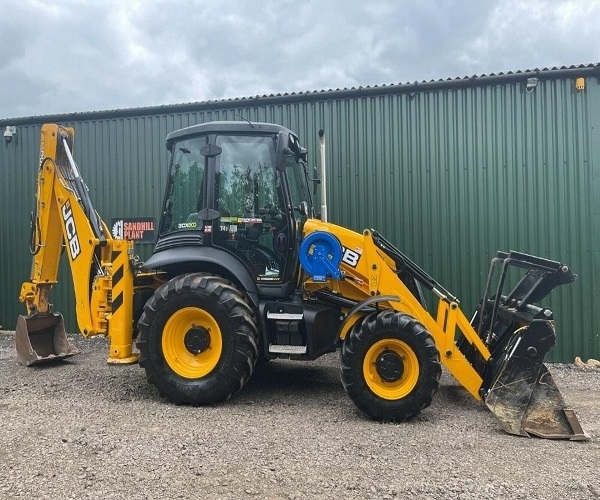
x: 250, y: 197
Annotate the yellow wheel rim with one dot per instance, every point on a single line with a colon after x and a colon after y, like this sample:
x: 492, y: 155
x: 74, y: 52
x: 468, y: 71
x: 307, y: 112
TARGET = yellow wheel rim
x: 192, y: 343
x: 404, y: 380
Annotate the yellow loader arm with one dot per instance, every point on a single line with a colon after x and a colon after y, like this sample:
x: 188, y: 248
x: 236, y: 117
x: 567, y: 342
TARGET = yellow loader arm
x: 496, y: 356
x: 373, y: 274
x: 101, y: 269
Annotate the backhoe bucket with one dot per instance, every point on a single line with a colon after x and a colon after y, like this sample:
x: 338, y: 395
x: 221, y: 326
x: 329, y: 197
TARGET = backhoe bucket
x: 523, y: 395
x: 41, y: 338
x: 517, y: 386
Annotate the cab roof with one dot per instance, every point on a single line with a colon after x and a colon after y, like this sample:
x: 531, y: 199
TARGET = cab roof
x: 227, y: 127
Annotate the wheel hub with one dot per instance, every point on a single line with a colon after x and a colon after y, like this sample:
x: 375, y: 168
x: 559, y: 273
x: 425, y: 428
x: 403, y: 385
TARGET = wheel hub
x: 197, y: 340
x: 389, y: 366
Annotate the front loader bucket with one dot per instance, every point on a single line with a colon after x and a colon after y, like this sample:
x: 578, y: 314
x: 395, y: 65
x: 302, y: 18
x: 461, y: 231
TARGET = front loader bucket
x: 40, y: 338
x: 517, y: 386
x: 523, y: 395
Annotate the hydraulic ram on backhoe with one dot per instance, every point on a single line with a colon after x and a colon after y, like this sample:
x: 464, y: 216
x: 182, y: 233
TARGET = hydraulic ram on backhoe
x: 100, y: 265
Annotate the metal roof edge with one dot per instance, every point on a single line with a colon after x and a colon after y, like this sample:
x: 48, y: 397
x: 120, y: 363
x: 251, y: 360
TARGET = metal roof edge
x: 317, y: 95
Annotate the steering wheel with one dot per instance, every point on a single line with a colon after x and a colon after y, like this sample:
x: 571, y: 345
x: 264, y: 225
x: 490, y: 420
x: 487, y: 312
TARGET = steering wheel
x: 272, y: 213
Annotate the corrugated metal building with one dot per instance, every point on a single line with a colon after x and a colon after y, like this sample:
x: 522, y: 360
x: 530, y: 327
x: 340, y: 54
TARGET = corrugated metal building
x: 449, y: 170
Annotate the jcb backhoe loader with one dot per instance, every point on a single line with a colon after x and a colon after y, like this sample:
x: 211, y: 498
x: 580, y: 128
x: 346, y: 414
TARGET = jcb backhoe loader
x: 243, y: 270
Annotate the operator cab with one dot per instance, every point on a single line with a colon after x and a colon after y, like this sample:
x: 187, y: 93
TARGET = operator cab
x: 235, y: 189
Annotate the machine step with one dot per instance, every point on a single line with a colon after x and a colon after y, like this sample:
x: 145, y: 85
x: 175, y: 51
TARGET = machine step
x: 285, y: 316
x: 287, y: 349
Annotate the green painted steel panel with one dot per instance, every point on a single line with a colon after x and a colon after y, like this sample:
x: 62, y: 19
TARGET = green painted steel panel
x: 450, y: 173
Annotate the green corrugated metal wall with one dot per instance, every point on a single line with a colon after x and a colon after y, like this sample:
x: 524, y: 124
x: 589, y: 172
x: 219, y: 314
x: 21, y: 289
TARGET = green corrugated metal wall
x: 450, y: 172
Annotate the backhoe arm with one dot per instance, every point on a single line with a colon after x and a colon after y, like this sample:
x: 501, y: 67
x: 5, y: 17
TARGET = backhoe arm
x: 64, y: 218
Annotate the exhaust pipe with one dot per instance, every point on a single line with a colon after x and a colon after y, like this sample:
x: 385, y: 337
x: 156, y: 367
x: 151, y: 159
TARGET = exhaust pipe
x: 41, y: 338
x: 323, y: 176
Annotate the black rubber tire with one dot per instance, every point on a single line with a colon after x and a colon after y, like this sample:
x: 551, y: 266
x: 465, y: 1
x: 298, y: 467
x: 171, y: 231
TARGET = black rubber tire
x: 412, y: 336
x: 230, y: 309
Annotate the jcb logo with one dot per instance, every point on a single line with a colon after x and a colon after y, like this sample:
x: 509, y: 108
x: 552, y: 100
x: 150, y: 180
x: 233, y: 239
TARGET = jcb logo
x: 349, y: 257
x: 71, y: 230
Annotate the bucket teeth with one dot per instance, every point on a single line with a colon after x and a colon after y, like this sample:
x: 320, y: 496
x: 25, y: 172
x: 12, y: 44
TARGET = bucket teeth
x: 41, y: 338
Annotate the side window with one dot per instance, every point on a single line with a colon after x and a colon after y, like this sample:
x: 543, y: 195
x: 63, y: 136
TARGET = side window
x: 245, y: 175
x: 185, y: 186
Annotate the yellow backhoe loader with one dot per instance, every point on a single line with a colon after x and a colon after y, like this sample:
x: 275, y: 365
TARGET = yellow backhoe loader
x: 243, y: 270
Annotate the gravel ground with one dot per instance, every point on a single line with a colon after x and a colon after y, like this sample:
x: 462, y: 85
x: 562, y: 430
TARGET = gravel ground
x: 83, y: 429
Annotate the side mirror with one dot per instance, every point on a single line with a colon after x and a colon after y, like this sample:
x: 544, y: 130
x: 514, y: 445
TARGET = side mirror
x: 303, y: 208
x: 303, y: 155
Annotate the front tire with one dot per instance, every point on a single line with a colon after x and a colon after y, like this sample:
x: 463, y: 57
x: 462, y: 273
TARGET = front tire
x: 390, y: 366
x: 198, y: 340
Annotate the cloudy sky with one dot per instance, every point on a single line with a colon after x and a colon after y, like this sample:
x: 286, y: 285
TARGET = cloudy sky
x: 86, y: 55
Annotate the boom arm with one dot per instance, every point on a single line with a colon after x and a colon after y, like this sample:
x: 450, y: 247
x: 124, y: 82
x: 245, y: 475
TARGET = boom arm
x: 101, y: 270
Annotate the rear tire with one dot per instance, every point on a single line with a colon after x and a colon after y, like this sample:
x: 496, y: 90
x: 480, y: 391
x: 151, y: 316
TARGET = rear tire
x: 390, y: 366
x: 198, y: 340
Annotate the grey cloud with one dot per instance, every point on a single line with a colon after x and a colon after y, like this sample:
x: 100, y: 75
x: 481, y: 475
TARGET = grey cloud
x: 80, y: 56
